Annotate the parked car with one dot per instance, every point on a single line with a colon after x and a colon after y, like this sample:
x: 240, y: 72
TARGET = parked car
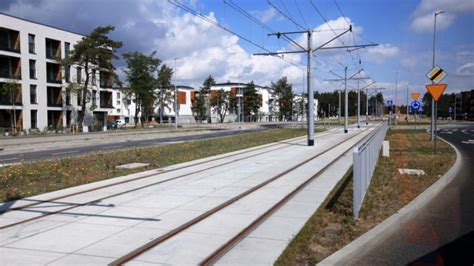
x: 111, y: 125
x: 120, y: 123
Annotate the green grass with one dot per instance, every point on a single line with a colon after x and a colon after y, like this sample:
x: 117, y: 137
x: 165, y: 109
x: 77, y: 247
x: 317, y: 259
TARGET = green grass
x: 330, y: 229
x: 33, y: 178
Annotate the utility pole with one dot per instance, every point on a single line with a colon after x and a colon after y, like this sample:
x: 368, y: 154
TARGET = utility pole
x: 310, y: 94
x: 407, y: 104
x: 346, y: 101
x: 339, y: 109
x: 433, y: 103
x: 176, y: 112
x: 358, y: 105
x: 395, y: 100
x: 366, y: 107
x: 309, y: 51
x: 346, y: 98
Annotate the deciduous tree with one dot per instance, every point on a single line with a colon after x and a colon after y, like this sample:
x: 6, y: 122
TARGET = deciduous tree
x: 93, y: 52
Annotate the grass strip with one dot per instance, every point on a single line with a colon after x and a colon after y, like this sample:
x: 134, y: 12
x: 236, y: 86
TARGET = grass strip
x: 33, y: 178
x: 330, y: 229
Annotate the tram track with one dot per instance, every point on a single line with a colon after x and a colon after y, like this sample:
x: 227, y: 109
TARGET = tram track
x: 216, y: 254
x: 281, y: 145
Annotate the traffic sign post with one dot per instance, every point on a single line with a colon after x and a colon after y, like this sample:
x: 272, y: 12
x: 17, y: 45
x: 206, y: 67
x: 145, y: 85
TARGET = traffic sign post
x: 436, y: 90
x: 389, y: 103
x: 415, y: 96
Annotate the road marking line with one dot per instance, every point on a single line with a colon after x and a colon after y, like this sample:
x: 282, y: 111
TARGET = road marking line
x: 66, y: 152
x: 8, y: 159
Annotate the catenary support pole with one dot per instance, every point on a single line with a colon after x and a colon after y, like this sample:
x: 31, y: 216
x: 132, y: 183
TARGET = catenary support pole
x: 310, y: 94
x: 366, y: 107
x: 346, y: 107
x: 358, y: 105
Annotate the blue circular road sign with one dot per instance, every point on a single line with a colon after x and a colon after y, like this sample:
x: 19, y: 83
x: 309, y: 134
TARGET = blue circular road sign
x: 415, y: 104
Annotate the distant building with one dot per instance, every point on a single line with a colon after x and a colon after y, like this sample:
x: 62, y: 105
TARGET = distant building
x: 28, y: 53
x: 265, y: 112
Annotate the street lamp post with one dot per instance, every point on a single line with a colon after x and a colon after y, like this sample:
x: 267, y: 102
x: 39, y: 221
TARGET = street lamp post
x: 433, y: 115
x: 176, y: 115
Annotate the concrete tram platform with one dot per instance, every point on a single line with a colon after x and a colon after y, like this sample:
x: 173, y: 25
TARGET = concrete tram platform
x: 105, y: 230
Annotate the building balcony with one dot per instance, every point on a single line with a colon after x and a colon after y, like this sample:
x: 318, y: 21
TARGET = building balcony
x: 53, y: 73
x: 106, y: 80
x: 10, y: 67
x: 53, y: 49
x: 55, y: 97
x: 9, y: 40
x: 106, y: 99
x: 10, y: 96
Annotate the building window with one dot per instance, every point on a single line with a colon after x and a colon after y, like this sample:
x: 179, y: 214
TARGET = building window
x: 94, y: 78
x: 94, y: 96
x: 79, y: 98
x: 31, y: 43
x: 68, y: 96
x: 78, y: 74
x: 67, y: 74
x: 68, y: 118
x: 67, y: 48
x: 118, y: 98
x: 118, y: 110
x: 32, y: 69
x: 33, y: 97
x: 34, y: 118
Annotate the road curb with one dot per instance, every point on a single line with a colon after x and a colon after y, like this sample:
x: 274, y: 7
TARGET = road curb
x: 377, y: 234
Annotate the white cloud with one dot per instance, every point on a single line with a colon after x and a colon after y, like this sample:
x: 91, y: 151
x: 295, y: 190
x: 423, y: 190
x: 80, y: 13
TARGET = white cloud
x: 423, y: 17
x: 379, y: 54
x: 265, y: 15
x: 466, y: 70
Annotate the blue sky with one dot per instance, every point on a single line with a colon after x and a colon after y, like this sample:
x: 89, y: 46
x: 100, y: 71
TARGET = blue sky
x: 403, y: 28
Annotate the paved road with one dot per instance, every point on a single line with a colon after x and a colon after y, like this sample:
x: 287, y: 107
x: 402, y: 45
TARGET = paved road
x: 442, y: 232
x: 32, y: 155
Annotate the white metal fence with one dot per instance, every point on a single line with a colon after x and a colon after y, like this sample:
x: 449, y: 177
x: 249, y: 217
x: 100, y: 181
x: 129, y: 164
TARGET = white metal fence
x: 365, y: 159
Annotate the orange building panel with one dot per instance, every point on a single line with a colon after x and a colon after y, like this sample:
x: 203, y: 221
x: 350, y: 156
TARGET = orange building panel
x: 181, y: 97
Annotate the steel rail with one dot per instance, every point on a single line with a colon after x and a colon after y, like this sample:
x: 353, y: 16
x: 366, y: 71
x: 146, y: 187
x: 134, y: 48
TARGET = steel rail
x: 142, y: 249
x: 222, y: 250
x: 134, y: 189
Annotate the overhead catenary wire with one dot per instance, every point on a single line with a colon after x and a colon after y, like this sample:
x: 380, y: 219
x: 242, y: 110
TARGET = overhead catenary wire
x: 352, y: 33
x: 301, y: 14
x: 285, y: 15
x: 203, y: 17
x: 329, y: 26
x: 260, y: 23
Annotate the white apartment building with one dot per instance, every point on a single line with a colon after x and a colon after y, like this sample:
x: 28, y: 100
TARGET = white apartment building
x: 28, y: 53
x: 265, y: 112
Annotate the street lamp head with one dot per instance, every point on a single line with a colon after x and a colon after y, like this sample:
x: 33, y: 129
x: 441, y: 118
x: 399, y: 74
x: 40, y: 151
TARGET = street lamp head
x: 439, y: 12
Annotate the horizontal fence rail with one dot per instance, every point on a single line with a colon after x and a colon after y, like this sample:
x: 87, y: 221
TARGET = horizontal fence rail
x: 365, y: 158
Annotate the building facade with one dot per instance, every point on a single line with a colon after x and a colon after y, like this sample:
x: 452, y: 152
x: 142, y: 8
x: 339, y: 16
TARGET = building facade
x: 265, y: 112
x: 29, y: 54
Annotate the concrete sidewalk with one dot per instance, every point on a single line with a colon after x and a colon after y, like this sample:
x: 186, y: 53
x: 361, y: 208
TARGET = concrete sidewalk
x: 101, y: 232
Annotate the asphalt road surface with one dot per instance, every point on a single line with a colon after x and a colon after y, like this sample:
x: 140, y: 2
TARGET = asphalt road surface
x: 73, y: 151
x: 441, y: 232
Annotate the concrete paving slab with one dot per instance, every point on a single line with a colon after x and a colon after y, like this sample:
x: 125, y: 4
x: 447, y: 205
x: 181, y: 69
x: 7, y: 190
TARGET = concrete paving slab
x: 256, y: 251
x: 14, y: 256
x: 132, y: 166
x: 67, y: 238
x: 171, y: 219
x: 74, y: 259
x: 127, y: 221
x: 184, y: 249
x: 121, y: 243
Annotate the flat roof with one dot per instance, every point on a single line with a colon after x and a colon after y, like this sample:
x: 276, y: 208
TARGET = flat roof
x: 42, y: 24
